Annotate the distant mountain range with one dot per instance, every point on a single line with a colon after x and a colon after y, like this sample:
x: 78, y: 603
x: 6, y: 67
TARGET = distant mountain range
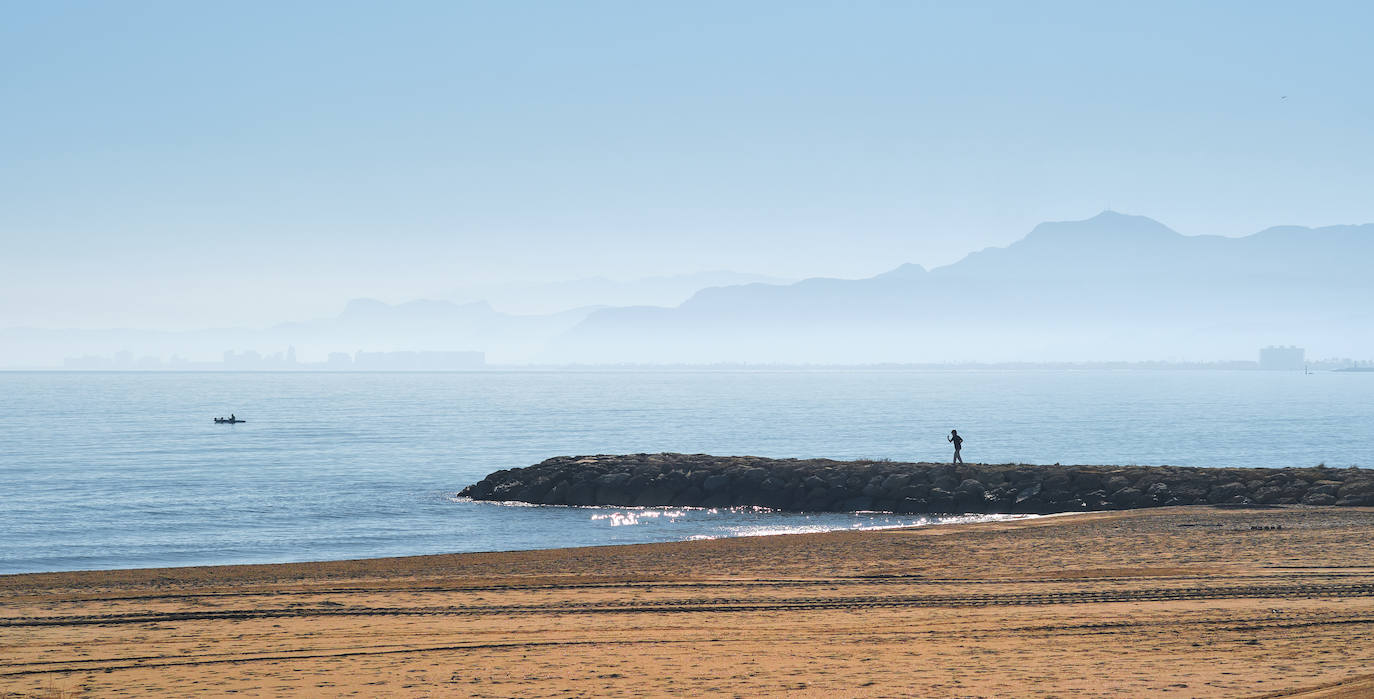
x: 1109, y: 287
x: 554, y: 297
x: 1112, y: 287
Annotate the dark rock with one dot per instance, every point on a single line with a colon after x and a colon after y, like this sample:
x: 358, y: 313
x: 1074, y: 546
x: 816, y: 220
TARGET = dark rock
x: 970, y: 496
x: 1325, y: 487
x: 1319, y: 499
x: 535, y: 492
x: 656, y: 492
x: 674, y: 480
x: 1357, y: 487
x: 1226, y: 491
x: 754, y: 476
x: 914, y: 492
x: 715, y: 483
x: 1000, y: 497
x: 1027, y: 493
x: 874, y: 487
x: 862, y: 502
x: 912, y: 506
x: 885, y: 505
x: 1056, y: 480
x: 582, y: 493
x: 1128, y: 497
x: 940, y: 500
x: 944, y: 478
x: 1115, y: 483
x: 506, y: 491
x: 896, y: 482
x: 611, y: 495
x: 820, y: 485
x: 1190, y: 492
x: 718, y: 499
x: 971, y: 487
x: 1095, y: 500
x: 557, y: 495
x: 691, y: 496
x: 818, y: 499
x: 479, y: 490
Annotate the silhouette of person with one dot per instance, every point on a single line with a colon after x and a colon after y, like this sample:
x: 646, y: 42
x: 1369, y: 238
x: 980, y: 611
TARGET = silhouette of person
x: 232, y: 418
x: 958, y: 442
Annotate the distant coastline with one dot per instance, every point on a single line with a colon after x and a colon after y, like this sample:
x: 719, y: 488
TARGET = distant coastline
x: 322, y: 367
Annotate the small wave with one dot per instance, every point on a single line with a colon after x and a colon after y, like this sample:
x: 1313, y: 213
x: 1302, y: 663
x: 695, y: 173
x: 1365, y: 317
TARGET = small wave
x: 774, y: 529
x: 633, y: 517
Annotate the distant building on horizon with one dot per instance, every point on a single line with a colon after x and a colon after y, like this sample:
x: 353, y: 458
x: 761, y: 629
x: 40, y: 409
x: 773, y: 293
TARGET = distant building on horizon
x: 1282, y: 358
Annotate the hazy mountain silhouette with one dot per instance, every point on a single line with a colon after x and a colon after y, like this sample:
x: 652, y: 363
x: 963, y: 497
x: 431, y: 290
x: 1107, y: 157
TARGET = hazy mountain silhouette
x: 1109, y: 287
x: 1112, y: 287
x: 364, y: 324
x: 372, y: 325
x: 553, y: 297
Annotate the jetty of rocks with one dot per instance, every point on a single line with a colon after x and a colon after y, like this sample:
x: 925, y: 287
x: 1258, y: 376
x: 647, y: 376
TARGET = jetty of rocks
x: 823, y: 485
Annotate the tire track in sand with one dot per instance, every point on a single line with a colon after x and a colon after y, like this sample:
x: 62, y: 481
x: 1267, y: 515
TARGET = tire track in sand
x: 718, y: 605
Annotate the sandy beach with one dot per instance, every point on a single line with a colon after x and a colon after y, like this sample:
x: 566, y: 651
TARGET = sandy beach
x: 1169, y: 602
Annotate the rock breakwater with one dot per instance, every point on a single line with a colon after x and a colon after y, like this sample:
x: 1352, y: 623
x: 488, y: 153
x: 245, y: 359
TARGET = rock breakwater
x: 823, y: 485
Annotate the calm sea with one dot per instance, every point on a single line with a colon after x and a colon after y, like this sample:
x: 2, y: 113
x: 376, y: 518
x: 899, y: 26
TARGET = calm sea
x: 114, y: 470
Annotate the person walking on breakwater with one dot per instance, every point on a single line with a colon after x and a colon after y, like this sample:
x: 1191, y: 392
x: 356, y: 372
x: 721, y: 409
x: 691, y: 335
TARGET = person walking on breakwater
x: 958, y: 442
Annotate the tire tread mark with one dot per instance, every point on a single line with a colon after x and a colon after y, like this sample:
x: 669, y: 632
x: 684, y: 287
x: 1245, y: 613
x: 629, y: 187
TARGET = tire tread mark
x: 724, y: 604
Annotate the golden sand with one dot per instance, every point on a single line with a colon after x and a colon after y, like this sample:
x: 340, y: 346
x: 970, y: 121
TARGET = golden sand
x: 1175, y: 602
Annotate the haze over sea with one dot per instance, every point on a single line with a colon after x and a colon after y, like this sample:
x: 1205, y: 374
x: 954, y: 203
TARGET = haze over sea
x: 116, y: 470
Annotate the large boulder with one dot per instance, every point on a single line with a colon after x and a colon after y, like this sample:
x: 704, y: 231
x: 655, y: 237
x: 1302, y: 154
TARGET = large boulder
x: 1128, y: 497
x: 1319, y: 499
x: 1227, y: 492
x: 715, y: 483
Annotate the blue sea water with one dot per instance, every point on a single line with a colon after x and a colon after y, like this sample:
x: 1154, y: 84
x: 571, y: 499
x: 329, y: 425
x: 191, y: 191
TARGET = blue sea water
x: 116, y: 470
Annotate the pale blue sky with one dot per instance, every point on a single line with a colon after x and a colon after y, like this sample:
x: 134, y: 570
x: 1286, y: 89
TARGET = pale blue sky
x: 155, y: 155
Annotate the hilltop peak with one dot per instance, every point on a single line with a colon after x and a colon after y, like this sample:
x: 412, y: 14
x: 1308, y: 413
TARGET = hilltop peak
x: 907, y: 270
x: 1106, y: 225
x: 372, y: 308
x: 1109, y: 215
x: 364, y: 306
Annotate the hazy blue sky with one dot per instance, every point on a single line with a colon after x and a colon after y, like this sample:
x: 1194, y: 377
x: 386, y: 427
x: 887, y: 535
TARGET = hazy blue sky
x: 157, y: 155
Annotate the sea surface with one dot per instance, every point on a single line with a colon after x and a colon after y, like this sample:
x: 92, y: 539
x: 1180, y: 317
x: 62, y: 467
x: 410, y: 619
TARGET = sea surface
x: 119, y: 470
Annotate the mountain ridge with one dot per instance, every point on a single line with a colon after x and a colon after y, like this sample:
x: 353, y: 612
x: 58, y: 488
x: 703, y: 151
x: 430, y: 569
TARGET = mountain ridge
x: 1114, y: 287
x: 1069, y: 289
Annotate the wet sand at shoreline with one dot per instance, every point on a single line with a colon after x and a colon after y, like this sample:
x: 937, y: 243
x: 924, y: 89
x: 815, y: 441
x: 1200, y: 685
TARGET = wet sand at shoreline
x: 1169, y: 602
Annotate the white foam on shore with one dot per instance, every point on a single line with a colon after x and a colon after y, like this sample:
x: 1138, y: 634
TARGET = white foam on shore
x: 765, y: 522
